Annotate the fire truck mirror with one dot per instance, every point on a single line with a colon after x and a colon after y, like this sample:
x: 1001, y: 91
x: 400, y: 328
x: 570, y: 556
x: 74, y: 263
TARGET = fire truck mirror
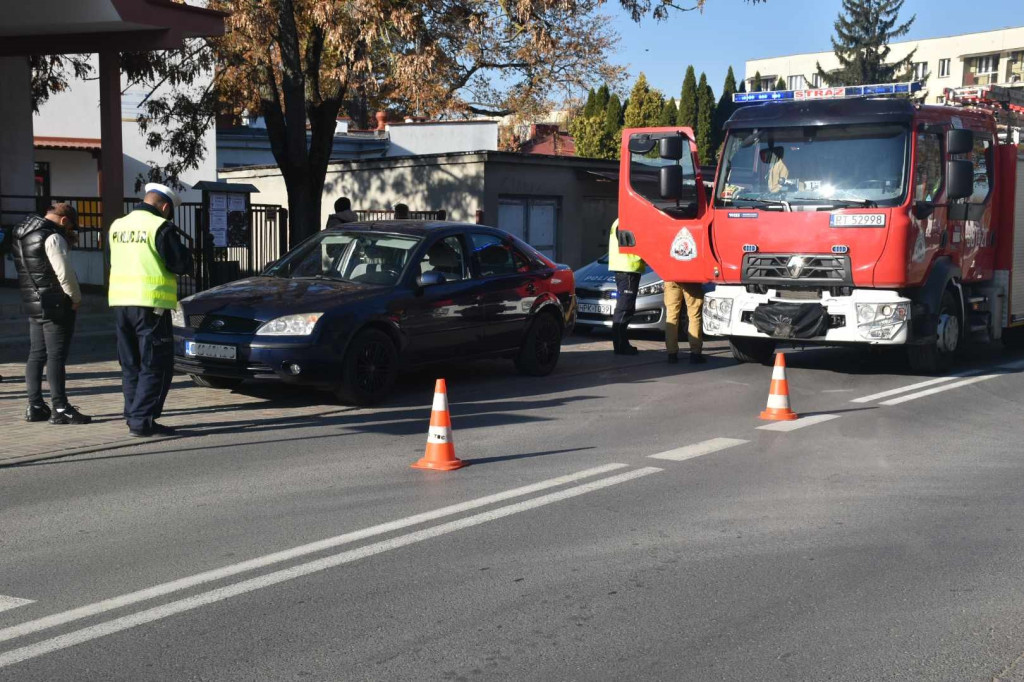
x: 641, y: 144
x: 959, y: 179
x: 959, y: 141
x: 671, y: 148
x: 671, y: 181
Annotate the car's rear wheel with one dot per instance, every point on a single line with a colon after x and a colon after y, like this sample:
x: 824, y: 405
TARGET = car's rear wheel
x: 369, y: 369
x: 539, y: 353
x: 215, y: 382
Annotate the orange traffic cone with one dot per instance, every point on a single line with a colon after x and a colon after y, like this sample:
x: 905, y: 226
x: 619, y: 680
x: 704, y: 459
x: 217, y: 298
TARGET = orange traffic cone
x: 778, y: 396
x: 440, y: 454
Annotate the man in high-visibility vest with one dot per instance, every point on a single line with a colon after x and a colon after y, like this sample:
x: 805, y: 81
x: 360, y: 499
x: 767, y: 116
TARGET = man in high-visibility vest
x: 628, y: 269
x: 146, y: 256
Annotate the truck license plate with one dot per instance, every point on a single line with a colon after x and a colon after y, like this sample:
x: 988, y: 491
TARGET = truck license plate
x: 599, y: 308
x: 857, y: 220
x: 210, y: 350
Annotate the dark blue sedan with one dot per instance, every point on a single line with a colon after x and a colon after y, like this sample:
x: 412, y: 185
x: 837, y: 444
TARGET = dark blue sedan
x: 349, y: 307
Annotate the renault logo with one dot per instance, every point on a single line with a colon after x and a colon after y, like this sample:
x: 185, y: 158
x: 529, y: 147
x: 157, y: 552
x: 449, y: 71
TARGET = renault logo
x: 796, y: 266
x: 219, y: 324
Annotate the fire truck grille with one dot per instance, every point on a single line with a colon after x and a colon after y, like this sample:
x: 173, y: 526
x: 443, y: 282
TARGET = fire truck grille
x: 796, y: 269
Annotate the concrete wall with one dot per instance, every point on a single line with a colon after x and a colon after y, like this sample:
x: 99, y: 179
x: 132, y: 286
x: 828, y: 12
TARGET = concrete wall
x: 455, y: 184
x: 587, y: 204
x: 75, y: 113
x: 930, y: 51
x: 411, y: 139
x: 16, y: 174
x: 72, y: 173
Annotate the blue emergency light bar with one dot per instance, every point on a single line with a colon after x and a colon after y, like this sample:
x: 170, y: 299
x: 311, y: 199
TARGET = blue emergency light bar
x: 836, y: 92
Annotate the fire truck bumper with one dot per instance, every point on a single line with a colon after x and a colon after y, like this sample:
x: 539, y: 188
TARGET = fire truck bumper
x: 868, y: 316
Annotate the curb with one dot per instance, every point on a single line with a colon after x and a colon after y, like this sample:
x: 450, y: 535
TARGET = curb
x: 89, y: 449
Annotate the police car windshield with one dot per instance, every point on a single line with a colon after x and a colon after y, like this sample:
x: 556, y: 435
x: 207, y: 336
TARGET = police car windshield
x: 356, y: 256
x: 837, y: 166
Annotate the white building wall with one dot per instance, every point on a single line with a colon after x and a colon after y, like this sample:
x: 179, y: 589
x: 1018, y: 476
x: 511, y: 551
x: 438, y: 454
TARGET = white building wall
x: 76, y: 113
x: 72, y: 173
x: 929, y: 51
x: 414, y: 139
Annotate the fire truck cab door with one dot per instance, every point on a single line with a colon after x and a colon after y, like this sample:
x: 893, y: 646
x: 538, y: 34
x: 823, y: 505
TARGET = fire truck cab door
x: 664, y: 213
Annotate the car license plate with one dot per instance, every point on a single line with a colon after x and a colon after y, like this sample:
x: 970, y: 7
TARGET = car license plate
x: 857, y: 220
x: 210, y: 350
x: 599, y: 308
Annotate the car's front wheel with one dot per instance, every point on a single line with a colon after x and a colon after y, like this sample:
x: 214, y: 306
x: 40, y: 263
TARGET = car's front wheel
x: 539, y: 353
x: 215, y: 382
x: 369, y: 369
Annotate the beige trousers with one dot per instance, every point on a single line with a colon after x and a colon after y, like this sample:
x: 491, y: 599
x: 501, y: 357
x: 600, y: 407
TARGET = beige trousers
x: 675, y: 294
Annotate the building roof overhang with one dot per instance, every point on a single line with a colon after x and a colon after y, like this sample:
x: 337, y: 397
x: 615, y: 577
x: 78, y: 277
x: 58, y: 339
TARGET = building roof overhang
x: 86, y: 26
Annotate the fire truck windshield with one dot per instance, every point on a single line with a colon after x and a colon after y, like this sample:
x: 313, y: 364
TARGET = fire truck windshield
x: 834, y: 166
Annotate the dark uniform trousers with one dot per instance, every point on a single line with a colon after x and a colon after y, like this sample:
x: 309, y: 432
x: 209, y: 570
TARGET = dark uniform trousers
x: 627, y: 284
x: 145, y: 348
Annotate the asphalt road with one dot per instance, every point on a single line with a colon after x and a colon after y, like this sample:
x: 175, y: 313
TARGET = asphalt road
x: 879, y: 539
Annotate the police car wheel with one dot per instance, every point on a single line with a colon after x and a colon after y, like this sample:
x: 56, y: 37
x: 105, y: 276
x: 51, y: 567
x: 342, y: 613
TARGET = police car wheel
x: 215, y: 382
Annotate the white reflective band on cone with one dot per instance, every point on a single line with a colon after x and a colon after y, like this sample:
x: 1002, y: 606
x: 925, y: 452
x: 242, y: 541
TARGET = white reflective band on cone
x: 778, y: 373
x: 778, y: 401
x: 440, y: 402
x: 439, y: 434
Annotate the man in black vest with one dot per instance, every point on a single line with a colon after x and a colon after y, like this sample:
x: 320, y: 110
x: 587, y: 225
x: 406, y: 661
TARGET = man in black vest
x: 50, y: 292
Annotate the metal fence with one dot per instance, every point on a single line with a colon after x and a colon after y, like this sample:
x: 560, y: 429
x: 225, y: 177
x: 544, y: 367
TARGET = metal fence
x: 388, y: 214
x: 213, y: 265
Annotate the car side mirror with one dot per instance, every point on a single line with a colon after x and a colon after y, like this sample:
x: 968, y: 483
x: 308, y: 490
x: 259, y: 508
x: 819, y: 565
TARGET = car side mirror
x: 959, y: 179
x: 671, y: 148
x: 671, y: 181
x: 959, y: 141
x: 429, y: 279
x: 923, y: 209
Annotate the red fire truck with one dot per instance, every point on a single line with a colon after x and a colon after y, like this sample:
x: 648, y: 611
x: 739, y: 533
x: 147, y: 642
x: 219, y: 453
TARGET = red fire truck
x: 838, y: 216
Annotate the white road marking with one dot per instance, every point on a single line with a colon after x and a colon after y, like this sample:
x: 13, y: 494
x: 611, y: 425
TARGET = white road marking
x: 189, y: 603
x: 219, y: 573
x: 12, y: 602
x: 798, y: 423
x: 838, y: 390
x: 903, y: 389
x: 940, y: 389
x: 698, y: 449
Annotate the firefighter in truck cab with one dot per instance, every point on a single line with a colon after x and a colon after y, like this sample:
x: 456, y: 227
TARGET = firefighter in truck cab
x: 847, y: 216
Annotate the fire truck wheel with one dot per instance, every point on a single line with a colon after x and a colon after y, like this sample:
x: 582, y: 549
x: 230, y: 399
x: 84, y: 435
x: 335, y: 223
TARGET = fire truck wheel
x: 937, y: 356
x: 759, y: 351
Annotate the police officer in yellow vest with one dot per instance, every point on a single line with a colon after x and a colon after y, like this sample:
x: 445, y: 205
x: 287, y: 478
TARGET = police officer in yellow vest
x: 145, y: 257
x: 628, y: 269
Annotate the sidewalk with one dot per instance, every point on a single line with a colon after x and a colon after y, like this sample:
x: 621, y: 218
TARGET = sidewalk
x: 95, y: 388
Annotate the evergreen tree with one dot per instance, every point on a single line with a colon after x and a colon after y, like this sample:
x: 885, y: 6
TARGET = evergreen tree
x: 705, y: 121
x: 724, y: 109
x: 612, y: 128
x: 644, y: 108
x: 756, y: 85
x: 668, y: 113
x: 780, y: 84
x: 588, y: 108
x: 687, y: 115
x: 864, y: 30
x: 588, y: 136
x: 743, y: 86
x: 601, y: 100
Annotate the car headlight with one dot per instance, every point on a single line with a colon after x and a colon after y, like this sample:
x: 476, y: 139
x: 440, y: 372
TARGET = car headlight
x: 178, y: 317
x: 881, y: 321
x: 652, y: 289
x: 290, y: 325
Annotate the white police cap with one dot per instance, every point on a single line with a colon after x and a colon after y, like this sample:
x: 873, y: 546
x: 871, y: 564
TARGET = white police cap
x: 171, y: 195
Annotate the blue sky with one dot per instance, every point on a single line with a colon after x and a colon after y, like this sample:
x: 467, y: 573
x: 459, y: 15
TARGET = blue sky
x: 733, y: 31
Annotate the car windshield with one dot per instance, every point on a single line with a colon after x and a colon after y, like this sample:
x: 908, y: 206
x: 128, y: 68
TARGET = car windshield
x: 839, y: 165
x: 356, y: 256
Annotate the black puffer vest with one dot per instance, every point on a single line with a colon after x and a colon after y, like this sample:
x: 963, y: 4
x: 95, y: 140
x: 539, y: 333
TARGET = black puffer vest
x: 29, y: 252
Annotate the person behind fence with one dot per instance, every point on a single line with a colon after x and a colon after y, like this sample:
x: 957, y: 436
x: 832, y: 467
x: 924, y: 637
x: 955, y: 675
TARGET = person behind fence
x: 50, y: 291
x: 343, y: 213
x: 146, y: 255
x: 401, y: 212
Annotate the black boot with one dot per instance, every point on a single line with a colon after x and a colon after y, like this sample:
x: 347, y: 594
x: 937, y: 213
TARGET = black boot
x: 37, y: 413
x: 622, y: 345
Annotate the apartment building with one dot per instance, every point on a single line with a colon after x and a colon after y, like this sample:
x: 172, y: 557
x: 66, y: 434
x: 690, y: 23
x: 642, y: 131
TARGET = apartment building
x: 986, y: 58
